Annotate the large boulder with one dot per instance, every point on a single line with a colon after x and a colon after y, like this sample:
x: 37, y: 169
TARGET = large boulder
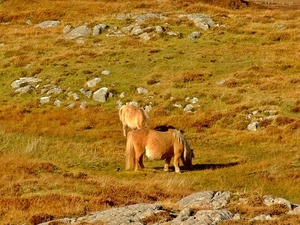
x: 81, y: 31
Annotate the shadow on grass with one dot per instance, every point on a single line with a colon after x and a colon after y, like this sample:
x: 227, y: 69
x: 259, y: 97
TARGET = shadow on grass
x: 197, y: 167
x: 213, y: 166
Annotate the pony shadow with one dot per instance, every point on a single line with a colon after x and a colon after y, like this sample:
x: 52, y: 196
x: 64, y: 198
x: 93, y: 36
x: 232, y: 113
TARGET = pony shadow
x: 213, y: 166
x: 198, y: 167
x: 163, y: 128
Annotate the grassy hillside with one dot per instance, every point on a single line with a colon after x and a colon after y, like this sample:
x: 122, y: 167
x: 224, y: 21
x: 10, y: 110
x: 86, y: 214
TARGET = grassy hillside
x: 62, y: 162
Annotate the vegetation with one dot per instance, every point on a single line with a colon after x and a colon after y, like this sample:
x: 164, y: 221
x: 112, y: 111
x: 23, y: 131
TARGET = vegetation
x: 58, y: 162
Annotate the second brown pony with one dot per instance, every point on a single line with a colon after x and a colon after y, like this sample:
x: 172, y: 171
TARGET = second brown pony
x: 157, y: 146
x: 133, y: 117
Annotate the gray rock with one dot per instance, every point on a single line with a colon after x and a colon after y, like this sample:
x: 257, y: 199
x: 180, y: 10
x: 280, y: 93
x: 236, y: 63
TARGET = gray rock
x: 49, y: 23
x: 98, y: 29
x: 142, y: 17
x: 124, y: 16
x: 132, y: 214
x: 44, y: 100
x: 202, y: 21
x: 142, y: 90
x: 201, y: 24
x: 28, y: 22
x: 173, y: 33
x: 188, y: 108
x: 194, y: 35
x: 87, y: 93
x: 24, y: 90
x: 127, y: 29
x: 101, y: 95
x: 145, y: 36
x: 295, y: 211
x: 204, y: 208
x: 212, y: 199
x: 194, y: 100
x: 271, y: 200
x: 263, y: 217
x: 83, y: 105
x: 159, y: 29
x: 71, y: 106
x: 177, y: 105
x: 81, y: 31
x: 92, y: 83
x: 114, y: 32
x: 57, y: 102
x: 73, y: 95
x: 183, y: 215
x: 55, y: 90
x: 205, y: 217
x: 105, y: 72
x: 67, y: 29
x: 136, y: 30
x: 23, y: 81
x: 122, y: 95
x: 148, y: 108
x: 252, y: 126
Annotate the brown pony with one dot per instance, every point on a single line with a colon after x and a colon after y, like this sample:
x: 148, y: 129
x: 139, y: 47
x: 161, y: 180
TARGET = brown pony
x: 158, y: 145
x: 133, y: 117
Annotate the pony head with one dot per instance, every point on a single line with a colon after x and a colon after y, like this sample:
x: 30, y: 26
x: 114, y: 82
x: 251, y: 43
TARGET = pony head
x: 188, y: 153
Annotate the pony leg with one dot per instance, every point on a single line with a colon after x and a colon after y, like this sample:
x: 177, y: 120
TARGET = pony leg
x: 139, y: 162
x: 125, y: 130
x: 167, y: 164
x: 176, y: 164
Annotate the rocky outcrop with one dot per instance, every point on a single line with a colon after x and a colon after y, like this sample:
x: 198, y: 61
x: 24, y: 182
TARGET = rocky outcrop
x: 205, y: 208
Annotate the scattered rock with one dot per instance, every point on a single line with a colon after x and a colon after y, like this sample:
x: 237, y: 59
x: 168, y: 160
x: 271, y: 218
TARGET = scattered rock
x: 47, y: 24
x: 142, y: 90
x: 99, y: 29
x: 24, y: 81
x: 77, y: 32
x: 24, y: 90
x: 145, y: 36
x: 92, y: 83
x: 44, y: 100
x: 194, y: 35
x: 211, y: 199
x: 57, y: 102
x: 252, y: 126
x: 101, y: 95
x: 105, y: 72
x: 205, y: 208
x: 271, y: 200
x: 28, y: 22
x: 67, y: 29
x: 188, y: 108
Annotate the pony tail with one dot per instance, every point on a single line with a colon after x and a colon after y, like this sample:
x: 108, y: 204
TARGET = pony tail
x: 130, y: 154
x: 120, y: 112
